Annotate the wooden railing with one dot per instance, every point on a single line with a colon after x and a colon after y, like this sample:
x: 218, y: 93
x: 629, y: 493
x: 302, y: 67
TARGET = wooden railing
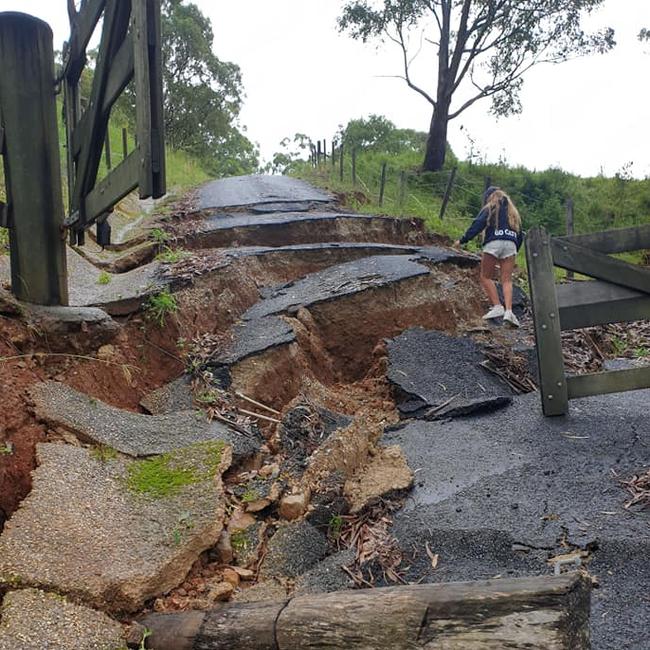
x: 130, y: 49
x: 620, y: 292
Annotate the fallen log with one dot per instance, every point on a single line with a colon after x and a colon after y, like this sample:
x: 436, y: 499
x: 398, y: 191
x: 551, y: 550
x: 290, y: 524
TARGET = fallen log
x: 550, y: 613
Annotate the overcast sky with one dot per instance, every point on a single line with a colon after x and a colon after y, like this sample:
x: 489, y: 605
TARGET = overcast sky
x: 585, y: 116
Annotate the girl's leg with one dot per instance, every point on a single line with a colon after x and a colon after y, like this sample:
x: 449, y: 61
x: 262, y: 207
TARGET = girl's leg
x: 507, y: 266
x: 488, y: 264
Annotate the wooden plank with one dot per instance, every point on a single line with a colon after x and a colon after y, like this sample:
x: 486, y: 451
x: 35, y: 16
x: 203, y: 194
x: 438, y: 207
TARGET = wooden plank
x: 584, y: 304
x: 547, y: 323
x: 615, y: 381
x: 140, y: 31
x: 82, y: 31
x: 538, y: 612
x: 119, y: 76
x: 598, y: 265
x: 158, y: 162
x: 116, y: 23
x: 619, y: 240
x: 122, y: 180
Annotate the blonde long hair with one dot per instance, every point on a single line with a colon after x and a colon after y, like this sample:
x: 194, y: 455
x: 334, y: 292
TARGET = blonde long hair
x: 493, y: 204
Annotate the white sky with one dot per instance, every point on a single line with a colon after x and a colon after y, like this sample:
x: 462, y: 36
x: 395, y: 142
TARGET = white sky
x: 300, y: 75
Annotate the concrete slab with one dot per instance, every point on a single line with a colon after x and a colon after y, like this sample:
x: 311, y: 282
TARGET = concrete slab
x: 114, y: 532
x: 428, y: 369
x: 171, y: 398
x: 93, y: 421
x: 258, y: 189
x: 32, y: 619
x: 118, y: 294
x: 499, y: 494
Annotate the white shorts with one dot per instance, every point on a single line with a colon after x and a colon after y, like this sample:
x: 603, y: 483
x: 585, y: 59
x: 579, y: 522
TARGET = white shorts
x: 500, y: 248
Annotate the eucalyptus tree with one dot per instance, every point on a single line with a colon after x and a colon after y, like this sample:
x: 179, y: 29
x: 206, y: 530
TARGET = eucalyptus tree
x: 481, y: 49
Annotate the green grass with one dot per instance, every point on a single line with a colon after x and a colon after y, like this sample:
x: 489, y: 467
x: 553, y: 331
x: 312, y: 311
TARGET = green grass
x: 103, y: 454
x: 168, y: 474
x: 104, y: 278
x: 160, y: 306
x: 171, y: 255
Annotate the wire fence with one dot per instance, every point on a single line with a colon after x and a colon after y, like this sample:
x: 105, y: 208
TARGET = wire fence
x: 392, y: 186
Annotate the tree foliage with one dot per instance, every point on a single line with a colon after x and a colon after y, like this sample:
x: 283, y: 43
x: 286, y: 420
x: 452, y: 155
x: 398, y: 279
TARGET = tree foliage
x: 203, y: 95
x: 378, y: 132
x: 482, y: 48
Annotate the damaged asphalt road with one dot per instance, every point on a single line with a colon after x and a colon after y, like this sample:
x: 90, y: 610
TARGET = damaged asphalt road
x: 499, y: 494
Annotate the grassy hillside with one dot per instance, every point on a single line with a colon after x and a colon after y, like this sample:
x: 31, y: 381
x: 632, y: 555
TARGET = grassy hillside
x: 599, y: 203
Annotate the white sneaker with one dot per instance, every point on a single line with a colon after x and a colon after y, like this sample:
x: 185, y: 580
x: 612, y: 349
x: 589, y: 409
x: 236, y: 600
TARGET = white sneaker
x: 511, y: 319
x: 496, y: 312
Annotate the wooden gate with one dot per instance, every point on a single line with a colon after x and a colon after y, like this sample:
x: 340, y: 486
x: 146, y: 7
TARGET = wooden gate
x: 130, y: 49
x: 620, y: 292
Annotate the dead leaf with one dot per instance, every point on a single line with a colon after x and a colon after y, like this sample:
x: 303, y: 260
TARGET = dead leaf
x: 434, y: 557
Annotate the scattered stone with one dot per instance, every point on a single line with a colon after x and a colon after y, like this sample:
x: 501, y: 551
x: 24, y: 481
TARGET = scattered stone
x: 171, y: 398
x: 259, y: 493
x: 224, y: 548
x: 31, y: 619
x: 93, y: 421
x: 386, y: 473
x: 436, y: 375
x: 267, y: 590
x: 231, y: 576
x: 220, y: 591
x: 114, y: 532
x: 294, y: 549
x: 294, y: 506
x: 78, y: 329
x: 246, y: 542
x: 327, y: 575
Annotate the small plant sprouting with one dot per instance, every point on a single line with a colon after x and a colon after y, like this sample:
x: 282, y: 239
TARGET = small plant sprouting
x: 7, y: 449
x: 641, y: 352
x: 104, y: 278
x: 208, y: 398
x: 171, y: 256
x: 103, y: 453
x: 145, y: 635
x: 335, y: 526
x: 159, y: 236
x: 239, y: 541
x: 619, y: 345
x: 250, y: 495
x: 160, y: 306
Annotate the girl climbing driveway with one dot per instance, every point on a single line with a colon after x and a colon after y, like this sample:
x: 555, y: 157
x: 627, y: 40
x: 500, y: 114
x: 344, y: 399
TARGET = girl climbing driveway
x: 500, y: 223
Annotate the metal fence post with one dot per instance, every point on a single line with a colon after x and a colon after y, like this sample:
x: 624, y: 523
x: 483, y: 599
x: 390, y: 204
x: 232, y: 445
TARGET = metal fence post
x: 31, y: 158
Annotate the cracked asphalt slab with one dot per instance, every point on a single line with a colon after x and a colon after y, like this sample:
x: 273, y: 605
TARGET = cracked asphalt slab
x: 430, y: 369
x: 338, y: 281
x: 499, y: 494
x: 257, y: 190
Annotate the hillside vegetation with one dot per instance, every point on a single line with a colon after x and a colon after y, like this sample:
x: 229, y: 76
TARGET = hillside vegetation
x: 600, y: 203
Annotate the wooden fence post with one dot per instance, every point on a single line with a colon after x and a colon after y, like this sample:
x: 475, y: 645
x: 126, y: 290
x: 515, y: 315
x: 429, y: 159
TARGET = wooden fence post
x: 445, y: 200
x: 319, y: 153
x: 382, y: 183
x: 341, y: 163
x: 569, y: 228
x: 31, y: 158
x: 333, y: 157
x: 552, y: 379
x: 125, y: 144
x: 402, y: 188
x: 354, y: 167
